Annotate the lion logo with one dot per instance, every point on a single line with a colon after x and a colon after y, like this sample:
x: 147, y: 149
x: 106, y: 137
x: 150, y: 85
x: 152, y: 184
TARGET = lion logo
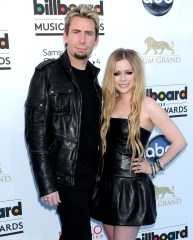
x: 154, y: 45
x: 161, y: 191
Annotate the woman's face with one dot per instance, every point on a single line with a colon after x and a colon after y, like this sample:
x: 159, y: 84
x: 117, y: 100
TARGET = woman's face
x: 124, y: 77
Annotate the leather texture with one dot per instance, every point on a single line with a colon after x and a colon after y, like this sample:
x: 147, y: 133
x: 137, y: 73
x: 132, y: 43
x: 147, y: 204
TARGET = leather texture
x: 52, y: 122
x: 123, y: 197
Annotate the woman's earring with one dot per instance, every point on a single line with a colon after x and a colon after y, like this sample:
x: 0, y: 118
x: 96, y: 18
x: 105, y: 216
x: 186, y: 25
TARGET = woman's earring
x: 116, y: 93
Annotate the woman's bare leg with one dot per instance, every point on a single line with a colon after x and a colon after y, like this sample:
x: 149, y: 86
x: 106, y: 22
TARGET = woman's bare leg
x: 109, y: 231
x: 121, y: 232
x: 125, y: 232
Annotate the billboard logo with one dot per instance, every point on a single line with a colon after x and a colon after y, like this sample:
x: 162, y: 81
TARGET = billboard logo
x: 6, y: 212
x: 55, y: 7
x: 173, y: 98
x: 169, y: 95
x: 4, y: 41
x: 5, y: 61
x: 11, y: 218
x: 49, y: 13
x: 157, y: 7
x: 50, y: 8
x: 173, y: 234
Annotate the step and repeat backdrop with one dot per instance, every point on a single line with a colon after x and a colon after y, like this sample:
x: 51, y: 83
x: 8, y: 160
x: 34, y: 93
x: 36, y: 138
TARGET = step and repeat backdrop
x: 161, y: 31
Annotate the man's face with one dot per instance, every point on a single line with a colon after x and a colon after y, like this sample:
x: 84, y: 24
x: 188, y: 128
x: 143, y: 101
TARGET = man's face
x: 81, y: 38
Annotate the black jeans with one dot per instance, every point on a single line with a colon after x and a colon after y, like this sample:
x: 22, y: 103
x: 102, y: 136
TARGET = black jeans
x: 74, y: 210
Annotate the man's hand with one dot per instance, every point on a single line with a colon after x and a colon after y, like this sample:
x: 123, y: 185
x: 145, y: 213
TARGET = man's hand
x: 52, y: 199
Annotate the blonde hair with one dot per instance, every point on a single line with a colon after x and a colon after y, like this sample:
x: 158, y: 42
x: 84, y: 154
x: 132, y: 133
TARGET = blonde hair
x: 109, y: 95
x: 84, y: 11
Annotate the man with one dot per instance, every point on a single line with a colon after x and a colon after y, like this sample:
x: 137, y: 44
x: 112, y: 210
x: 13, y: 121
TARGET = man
x: 62, y: 122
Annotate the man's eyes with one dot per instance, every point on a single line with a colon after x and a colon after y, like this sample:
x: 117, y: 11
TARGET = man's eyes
x: 88, y: 33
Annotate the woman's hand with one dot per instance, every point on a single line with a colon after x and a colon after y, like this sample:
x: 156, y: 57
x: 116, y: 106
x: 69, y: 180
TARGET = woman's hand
x: 139, y: 166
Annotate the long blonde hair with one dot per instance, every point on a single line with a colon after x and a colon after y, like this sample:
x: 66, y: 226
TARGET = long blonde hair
x: 138, y: 93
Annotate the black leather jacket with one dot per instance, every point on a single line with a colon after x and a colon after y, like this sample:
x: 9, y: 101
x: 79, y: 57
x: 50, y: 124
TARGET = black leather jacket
x: 52, y: 122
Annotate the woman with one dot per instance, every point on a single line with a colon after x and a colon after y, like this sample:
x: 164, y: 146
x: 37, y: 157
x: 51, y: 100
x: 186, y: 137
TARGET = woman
x: 125, y: 199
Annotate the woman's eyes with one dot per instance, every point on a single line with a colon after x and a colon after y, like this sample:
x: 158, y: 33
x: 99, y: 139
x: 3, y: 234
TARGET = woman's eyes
x: 129, y: 73
x: 118, y: 73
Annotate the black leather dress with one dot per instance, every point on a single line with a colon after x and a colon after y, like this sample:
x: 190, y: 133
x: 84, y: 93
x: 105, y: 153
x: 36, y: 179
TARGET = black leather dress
x: 123, y: 197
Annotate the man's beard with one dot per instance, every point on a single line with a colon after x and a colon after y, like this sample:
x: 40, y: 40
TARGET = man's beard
x: 85, y: 56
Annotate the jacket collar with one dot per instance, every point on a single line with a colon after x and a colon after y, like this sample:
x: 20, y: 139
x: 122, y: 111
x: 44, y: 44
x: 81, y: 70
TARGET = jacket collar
x: 64, y: 59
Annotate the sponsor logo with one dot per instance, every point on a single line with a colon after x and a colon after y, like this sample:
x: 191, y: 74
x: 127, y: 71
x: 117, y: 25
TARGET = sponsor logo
x: 165, y: 196
x: 160, y: 52
x: 50, y: 16
x: 94, y: 59
x: 5, y: 61
x: 174, y: 233
x: 48, y: 54
x: 4, y: 178
x: 160, y: 192
x: 157, y: 7
x: 11, y: 218
x: 155, y: 46
x: 173, y: 98
x: 97, y: 232
x: 157, y: 146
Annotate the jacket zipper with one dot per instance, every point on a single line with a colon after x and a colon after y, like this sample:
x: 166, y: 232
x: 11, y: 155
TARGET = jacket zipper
x: 80, y: 114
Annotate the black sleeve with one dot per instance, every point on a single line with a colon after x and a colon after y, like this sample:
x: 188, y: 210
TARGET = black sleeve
x: 36, y: 131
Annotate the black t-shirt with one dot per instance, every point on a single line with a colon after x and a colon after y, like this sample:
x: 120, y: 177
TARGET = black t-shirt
x: 88, y: 154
